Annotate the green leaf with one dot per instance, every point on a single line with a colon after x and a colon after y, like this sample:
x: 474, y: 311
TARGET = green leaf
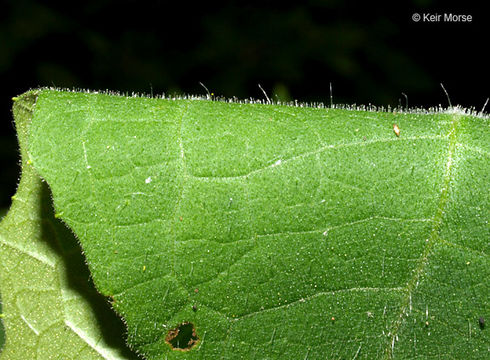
x: 2, y: 329
x: 50, y: 310
x: 266, y: 231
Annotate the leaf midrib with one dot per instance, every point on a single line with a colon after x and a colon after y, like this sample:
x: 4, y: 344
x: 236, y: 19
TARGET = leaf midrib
x: 433, y: 238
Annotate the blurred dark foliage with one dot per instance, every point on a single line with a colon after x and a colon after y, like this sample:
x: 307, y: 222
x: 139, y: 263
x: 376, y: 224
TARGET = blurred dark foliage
x: 371, y: 53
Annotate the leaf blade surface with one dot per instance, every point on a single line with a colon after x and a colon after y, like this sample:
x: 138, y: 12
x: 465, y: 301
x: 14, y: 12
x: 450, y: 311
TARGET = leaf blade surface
x: 276, y: 231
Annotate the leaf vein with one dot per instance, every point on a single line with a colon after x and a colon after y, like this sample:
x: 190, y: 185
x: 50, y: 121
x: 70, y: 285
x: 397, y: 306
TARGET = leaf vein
x: 318, y: 294
x: 314, y: 152
x: 431, y: 240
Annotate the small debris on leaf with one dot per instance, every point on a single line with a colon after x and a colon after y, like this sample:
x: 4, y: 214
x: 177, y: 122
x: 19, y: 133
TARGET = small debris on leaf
x: 396, y: 129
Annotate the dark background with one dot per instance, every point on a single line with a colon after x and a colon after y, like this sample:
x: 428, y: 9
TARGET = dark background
x: 371, y: 53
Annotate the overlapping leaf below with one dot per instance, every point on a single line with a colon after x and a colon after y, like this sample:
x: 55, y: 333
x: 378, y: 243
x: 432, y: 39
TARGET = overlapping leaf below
x: 49, y: 309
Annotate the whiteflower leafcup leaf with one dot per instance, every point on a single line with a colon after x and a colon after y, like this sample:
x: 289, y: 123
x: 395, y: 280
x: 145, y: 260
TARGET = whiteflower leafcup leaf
x: 2, y: 329
x: 228, y: 230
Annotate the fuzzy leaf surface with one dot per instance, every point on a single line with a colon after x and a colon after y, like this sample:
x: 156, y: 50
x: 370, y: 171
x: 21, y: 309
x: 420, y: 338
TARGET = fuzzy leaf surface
x: 276, y: 231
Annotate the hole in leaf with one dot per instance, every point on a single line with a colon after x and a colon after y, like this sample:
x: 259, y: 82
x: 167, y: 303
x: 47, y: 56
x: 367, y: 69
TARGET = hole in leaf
x: 183, y: 337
